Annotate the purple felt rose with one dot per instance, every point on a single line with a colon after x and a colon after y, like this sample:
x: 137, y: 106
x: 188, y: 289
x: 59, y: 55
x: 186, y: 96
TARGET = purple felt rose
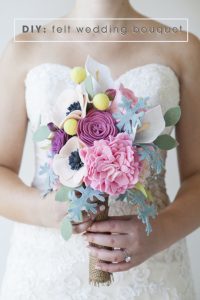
x: 95, y: 126
x: 60, y: 138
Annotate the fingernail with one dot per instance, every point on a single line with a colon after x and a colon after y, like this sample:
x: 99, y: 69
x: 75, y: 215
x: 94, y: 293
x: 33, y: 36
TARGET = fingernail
x: 102, y: 207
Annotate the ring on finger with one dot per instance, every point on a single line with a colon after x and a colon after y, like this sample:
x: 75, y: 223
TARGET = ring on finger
x: 127, y: 257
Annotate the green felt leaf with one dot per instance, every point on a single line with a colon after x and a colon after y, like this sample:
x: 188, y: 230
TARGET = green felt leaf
x: 41, y: 134
x: 172, y: 116
x: 89, y: 86
x: 165, y: 142
x: 66, y: 228
x: 62, y: 194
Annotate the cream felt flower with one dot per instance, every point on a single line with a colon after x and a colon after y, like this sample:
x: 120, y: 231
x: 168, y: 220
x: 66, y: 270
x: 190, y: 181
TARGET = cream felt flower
x: 68, y: 166
x: 153, y: 124
x: 71, y: 103
x: 100, y: 75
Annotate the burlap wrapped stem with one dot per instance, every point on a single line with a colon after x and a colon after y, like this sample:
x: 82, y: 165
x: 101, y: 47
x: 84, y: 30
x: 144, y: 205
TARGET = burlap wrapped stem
x: 99, y: 277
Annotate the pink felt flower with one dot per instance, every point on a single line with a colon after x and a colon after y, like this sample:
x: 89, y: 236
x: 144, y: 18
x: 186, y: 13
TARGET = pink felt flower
x: 96, y: 125
x: 122, y: 92
x: 112, y: 165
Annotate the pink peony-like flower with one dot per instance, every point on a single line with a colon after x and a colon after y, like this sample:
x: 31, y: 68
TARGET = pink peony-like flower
x: 112, y: 165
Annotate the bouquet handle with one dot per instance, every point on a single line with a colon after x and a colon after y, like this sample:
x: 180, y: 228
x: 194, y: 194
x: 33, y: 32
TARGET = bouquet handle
x: 99, y: 277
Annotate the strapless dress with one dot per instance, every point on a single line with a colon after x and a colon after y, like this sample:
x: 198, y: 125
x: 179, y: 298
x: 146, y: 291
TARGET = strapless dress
x: 41, y: 265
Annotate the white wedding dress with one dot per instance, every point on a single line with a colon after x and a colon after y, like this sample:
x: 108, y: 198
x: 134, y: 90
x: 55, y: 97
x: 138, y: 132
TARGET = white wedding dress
x: 42, y: 266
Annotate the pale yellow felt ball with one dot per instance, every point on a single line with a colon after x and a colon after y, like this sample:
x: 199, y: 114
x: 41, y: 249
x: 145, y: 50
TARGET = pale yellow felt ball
x: 101, y: 101
x: 70, y: 126
x: 78, y: 74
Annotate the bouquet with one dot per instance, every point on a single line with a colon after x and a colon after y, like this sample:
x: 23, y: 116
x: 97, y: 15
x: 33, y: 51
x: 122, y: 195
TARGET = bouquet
x: 103, y: 140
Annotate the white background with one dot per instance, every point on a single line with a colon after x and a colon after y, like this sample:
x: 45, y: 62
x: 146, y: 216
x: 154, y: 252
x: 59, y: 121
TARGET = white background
x: 55, y: 8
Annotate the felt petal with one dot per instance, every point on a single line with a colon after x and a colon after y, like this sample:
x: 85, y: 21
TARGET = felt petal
x: 82, y: 93
x: 77, y: 179
x: 61, y: 167
x: 156, y: 124
x: 101, y: 75
x: 65, y: 175
x: 133, y: 134
x: 71, y: 145
x: 73, y: 181
x: 57, y: 164
x: 76, y: 114
x: 84, y: 108
x: 60, y: 109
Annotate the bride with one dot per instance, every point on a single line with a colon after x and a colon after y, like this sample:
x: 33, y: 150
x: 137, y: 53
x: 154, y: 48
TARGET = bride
x: 42, y: 266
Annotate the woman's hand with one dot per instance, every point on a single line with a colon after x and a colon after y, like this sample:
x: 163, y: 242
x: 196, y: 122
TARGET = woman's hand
x: 126, y: 232
x: 52, y: 212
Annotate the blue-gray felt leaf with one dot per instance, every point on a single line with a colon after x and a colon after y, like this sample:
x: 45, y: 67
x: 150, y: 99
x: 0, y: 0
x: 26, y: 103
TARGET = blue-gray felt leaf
x: 66, y: 228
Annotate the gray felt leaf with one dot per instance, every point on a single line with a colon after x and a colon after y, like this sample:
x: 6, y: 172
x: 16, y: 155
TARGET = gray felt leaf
x: 89, y: 86
x: 62, y: 194
x: 66, y: 228
x: 41, y: 134
x: 172, y: 116
x: 165, y: 142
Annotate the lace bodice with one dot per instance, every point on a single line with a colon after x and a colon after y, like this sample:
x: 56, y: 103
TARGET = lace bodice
x: 42, y: 266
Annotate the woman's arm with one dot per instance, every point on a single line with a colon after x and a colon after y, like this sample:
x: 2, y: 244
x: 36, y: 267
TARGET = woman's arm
x: 17, y: 201
x: 183, y: 215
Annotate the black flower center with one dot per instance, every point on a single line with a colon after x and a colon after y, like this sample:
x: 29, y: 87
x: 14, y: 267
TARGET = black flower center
x: 72, y: 107
x: 75, y: 161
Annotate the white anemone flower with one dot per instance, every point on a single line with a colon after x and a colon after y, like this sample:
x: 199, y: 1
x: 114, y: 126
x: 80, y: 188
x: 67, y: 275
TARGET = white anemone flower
x: 68, y: 166
x: 71, y: 103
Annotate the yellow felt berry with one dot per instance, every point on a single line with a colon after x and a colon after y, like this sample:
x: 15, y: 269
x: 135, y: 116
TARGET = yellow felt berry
x: 70, y: 126
x: 78, y: 74
x: 141, y: 188
x: 101, y: 101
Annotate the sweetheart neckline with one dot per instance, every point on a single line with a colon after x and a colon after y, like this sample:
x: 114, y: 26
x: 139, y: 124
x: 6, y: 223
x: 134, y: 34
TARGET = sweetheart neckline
x: 115, y: 79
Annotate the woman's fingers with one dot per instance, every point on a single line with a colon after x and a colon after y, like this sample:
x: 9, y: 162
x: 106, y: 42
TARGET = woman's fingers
x: 79, y: 228
x: 114, y: 256
x: 88, y: 219
x: 119, y: 267
x: 109, y: 240
x: 111, y: 225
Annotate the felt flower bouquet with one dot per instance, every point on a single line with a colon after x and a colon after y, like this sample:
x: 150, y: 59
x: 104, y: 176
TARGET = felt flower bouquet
x: 103, y: 140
